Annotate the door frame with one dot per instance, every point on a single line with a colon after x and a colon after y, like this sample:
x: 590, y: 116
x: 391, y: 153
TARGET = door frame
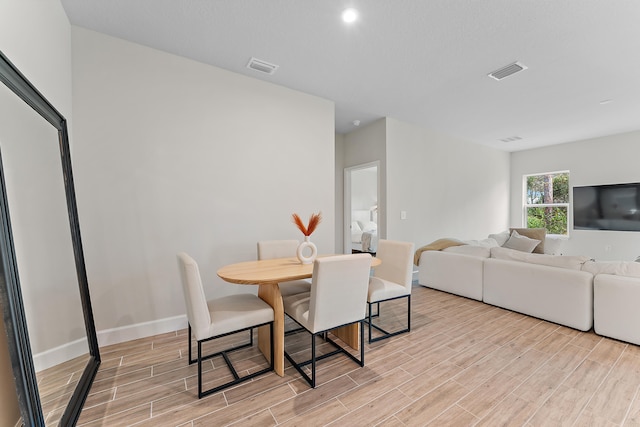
x: 346, y: 227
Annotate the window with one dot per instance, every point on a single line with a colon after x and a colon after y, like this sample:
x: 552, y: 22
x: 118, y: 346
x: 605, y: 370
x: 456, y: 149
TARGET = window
x: 546, y: 203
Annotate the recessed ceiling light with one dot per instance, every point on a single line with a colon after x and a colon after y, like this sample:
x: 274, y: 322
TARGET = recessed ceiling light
x: 349, y: 15
x: 606, y: 101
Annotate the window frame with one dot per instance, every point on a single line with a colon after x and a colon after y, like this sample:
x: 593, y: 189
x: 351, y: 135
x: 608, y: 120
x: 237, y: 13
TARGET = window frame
x: 526, y: 206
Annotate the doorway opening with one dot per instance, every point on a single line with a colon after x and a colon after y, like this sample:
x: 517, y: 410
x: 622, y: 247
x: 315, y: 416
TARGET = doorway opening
x: 361, y: 207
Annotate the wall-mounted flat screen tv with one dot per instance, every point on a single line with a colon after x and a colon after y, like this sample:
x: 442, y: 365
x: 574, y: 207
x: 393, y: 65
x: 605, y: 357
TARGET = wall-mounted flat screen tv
x: 607, y: 207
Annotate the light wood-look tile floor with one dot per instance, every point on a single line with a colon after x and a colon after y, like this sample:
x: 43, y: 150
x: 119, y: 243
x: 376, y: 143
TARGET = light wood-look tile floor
x: 464, y: 363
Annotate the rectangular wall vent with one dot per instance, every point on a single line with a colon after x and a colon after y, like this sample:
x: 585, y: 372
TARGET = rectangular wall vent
x: 262, y: 66
x: 511, y: 139
x: 507, y: 71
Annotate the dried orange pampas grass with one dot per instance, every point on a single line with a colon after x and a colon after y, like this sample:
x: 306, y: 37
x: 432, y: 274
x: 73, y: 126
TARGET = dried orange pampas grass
x: 314, y: 220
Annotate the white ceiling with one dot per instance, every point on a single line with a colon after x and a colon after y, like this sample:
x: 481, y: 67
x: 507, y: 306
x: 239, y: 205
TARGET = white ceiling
x: 419, y: 61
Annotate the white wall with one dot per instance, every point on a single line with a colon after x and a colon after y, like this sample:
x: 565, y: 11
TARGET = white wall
x: 447, y: 187
x: 35, y: 36
x: 174, y: 155
x: 606, y: 160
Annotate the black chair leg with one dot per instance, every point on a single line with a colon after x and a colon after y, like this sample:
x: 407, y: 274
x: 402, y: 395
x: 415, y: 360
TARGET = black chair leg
x: 189, y: 342
x: 385, y: 333
x: 311, y: 380
x: 361, y: 343
x: 237, y: 379
x: 313, y: 361
x: 409, y: 313
x: 199, y: 369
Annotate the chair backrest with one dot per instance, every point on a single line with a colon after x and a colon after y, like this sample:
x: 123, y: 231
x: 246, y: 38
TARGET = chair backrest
x: 194, y: 297
x: 397, y: 262
x: 339, y: 290
x: 270, y: 249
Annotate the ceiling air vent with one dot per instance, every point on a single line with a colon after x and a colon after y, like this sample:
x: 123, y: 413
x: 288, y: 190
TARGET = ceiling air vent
x: 511, y: 139
x: 507, y: 71
x: 262, y: 66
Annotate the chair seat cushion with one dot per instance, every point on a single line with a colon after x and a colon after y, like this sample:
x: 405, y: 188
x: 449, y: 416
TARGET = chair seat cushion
x: 236, y: 312
x: 380, y: 290
x: 294, y: 287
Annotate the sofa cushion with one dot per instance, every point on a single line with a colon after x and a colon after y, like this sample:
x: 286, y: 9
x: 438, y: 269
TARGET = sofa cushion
x: 454, y: 273
x: 538, y: 234
x: 615, y: 307
x: 553, y: 245
x: 521, y: 243
x: 479, y: 251
x: 489, y: 242
x: 618, y: 268
x: 570, y: 262
x: 559, y: 295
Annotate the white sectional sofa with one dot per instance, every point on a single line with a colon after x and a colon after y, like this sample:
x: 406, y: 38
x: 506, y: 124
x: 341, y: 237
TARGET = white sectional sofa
x: 616, y: 299
x: 615, y: 311
x: 569, y: 290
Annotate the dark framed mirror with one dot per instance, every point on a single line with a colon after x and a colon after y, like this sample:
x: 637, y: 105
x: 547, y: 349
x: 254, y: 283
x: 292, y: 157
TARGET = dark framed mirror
x: 44, y: 294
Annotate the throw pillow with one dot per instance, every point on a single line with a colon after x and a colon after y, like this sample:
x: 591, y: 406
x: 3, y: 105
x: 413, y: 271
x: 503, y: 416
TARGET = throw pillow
x: 538, y: 234
x: 501, y: 238
x: 521, y: 243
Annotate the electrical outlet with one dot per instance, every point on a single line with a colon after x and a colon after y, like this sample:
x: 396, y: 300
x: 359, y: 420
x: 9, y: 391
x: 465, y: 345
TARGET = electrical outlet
x: 403, y: 214
x: 607, y: 248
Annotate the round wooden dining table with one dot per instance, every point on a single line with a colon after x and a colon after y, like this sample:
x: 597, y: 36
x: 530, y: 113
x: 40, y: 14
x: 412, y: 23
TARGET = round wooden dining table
x: 267, y: 274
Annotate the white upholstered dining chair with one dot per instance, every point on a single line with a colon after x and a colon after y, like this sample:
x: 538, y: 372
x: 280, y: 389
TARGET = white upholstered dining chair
x: 220, y: 317
x: 391, y: 280
x: 270, y: 249
x: 337, y: 298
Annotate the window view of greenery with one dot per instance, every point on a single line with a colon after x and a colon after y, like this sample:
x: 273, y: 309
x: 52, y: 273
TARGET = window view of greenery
x: 547, y: 202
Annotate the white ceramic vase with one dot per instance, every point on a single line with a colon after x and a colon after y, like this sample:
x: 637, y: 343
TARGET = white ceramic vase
x: 307, y: 244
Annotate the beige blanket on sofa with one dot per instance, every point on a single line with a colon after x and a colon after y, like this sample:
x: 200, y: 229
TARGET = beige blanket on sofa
x: 437, y: 245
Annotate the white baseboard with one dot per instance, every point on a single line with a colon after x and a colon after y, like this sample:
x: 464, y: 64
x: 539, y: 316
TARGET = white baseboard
x: 57, y: 355
x: 141, y: 330
x: 68, y: 351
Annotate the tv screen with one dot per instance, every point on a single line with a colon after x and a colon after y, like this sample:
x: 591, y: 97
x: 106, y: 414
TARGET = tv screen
x: 607, y: 207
